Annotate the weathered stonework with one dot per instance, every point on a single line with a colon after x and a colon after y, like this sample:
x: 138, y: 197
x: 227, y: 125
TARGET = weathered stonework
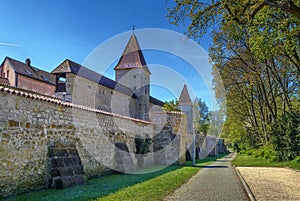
x: 30, y: 123
x: 64, y: 165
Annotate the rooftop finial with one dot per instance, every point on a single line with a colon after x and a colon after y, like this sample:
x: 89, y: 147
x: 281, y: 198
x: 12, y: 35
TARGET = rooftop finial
x: 133, y: 28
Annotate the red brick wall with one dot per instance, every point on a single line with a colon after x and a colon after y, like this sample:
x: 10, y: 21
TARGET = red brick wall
x: 35, y: 85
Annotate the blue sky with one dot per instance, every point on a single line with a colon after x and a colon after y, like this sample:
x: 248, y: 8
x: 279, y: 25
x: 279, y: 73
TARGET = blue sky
x: 48, y: 32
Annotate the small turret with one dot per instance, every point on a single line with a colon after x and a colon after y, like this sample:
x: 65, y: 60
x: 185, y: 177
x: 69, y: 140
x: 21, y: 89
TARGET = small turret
x: 186, y: 106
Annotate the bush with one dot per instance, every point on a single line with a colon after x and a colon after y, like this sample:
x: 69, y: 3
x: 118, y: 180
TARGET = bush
x: 250, y: 152
x: 266, y: 152
x: 285, y: 136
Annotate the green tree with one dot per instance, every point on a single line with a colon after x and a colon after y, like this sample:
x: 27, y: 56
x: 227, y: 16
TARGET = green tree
x: 171, y: 105
x: 286, y: 136
x: 201, y: 114
x: 271, y: 26
x: 256, y: 51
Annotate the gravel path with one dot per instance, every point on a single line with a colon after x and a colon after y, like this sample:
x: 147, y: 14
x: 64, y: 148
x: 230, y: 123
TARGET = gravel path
x: 217, y: 181
x: 272, y: 183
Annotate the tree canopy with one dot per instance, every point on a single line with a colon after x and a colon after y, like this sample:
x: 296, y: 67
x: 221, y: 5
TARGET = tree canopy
x: 256, y: 51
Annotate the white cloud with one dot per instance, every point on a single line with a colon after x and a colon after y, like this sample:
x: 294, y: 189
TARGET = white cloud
x: 10, y: 44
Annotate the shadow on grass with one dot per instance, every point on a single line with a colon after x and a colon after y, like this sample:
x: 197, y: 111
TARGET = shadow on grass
x: 93, y: 188
x: 102, y: 186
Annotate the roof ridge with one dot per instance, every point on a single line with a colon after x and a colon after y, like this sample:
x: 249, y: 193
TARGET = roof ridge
x: 29, y: 66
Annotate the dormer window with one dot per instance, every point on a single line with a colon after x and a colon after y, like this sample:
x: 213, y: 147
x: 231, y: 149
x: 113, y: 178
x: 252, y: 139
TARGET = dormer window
x: 28, y: 72
x: 46, y: 79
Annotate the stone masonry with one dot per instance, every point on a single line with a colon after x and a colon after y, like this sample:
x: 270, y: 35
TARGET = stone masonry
x: 64, y: 165
x: 32, y: 126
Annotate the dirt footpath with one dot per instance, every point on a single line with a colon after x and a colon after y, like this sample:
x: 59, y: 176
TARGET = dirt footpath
x: 268, y: 183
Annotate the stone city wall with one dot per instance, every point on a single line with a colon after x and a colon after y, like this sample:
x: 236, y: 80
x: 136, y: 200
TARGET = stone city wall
x: 45, y: 142
x: 171, y: 137
x: 31, y: 123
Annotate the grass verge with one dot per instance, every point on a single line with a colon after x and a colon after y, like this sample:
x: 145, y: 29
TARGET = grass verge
x: 151, y: 186
x: 160, y: 187
x: 245, y: 160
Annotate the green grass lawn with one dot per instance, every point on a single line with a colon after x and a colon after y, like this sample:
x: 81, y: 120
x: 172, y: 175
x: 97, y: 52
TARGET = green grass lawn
x: 245, y: 160
x: 160, y: 187
x: 151, y: 186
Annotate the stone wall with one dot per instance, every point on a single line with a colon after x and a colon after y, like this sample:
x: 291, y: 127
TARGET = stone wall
x: 138, y: 80
x: 82, y: 91
x: 31, y: 124
x: 171, y: 140
x: 209, y: 146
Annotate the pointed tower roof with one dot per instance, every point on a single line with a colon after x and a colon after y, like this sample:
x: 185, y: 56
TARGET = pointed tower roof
x: 132, y: 56
x: 184, y: 98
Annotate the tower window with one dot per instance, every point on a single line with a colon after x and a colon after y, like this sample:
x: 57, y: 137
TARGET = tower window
x: 7, y: 73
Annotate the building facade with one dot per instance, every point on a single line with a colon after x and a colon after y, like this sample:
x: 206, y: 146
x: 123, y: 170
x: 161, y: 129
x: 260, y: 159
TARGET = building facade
x: 127, y: 95
x: 25, y: 76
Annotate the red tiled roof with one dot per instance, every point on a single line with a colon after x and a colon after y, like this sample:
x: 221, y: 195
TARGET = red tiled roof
x: 132, y: 56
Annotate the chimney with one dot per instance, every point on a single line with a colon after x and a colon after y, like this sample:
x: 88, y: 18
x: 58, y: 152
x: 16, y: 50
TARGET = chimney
x: 28, y: 62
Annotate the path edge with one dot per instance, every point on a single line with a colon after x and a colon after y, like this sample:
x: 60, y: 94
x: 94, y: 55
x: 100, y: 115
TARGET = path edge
x: 244, y: 184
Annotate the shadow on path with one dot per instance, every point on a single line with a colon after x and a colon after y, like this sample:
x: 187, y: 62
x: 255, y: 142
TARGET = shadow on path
x: 212, y: 166
x: 222, y: 161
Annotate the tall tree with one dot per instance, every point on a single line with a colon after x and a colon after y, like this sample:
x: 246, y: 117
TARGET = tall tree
x: 201, y: 114
x: 256, y: 51
x: 272, y: 26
